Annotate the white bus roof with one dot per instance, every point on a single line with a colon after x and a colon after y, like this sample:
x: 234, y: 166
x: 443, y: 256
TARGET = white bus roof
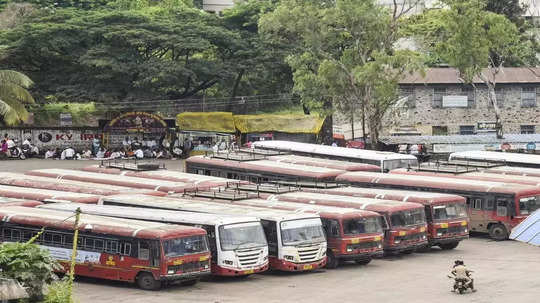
x: 479, y: 155
x: 328, y: 163
x: 97, y: 224
x: 332, y: 150
x: 205, y: 207
x: 514, y: 170
x: 29, y: 193
x: 156, y: 215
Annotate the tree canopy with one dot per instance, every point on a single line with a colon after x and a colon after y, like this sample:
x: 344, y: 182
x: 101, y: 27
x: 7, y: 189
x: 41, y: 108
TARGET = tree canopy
x: 14, y: 96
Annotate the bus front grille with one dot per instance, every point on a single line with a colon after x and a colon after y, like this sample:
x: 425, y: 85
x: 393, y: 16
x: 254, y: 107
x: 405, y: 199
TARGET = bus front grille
x: 308, y: 254
x: 249, y: 257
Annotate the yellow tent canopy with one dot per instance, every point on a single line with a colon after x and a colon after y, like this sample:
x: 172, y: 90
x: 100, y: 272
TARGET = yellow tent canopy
x: 278, y: 123
x: 211, y: 121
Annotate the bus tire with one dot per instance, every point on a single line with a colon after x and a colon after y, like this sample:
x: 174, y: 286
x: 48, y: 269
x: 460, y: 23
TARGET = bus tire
x: 331, y: 260
x: 189, y: 282
x: 146, y: 281
x: 363, y: 261
x: 448, y: 246
x: 498, y: 232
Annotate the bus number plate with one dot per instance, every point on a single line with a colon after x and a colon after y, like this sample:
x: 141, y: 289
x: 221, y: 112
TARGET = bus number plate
x: 308, y: 267
x: 247, y: 272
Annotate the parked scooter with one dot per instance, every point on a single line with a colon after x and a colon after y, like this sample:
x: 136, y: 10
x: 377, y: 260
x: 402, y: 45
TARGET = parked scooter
x: 14, y: 151
x: 460, y: 285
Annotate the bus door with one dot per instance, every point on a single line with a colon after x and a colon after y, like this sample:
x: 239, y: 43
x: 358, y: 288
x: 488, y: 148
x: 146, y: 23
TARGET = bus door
x: 477, y: 207
x: 149, y: 252
x: 270, y: 230
x: 504, y: 208
x: 332, y: 230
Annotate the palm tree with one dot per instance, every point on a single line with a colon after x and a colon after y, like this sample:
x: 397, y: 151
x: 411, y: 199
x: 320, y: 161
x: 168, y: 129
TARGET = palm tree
x: 13, y: 96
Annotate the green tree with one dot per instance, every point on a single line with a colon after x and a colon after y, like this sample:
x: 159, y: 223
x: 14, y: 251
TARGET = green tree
x: 29, y: 264
x: 343, y: 56
x: 478, y: 43
x: 13, y: 96
x: 118, y: 55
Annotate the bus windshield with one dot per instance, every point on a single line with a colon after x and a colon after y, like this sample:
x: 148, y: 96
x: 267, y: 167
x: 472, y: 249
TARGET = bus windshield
x: 528, y: 205
x: 449, y: 211
x: 302, y: 231
x: 362, y: 225
x: 408, y: 217
x: 185, y: 246
x: 241, y: 235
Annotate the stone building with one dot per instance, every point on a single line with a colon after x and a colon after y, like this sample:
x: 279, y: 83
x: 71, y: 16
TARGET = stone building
x: 441, y: 104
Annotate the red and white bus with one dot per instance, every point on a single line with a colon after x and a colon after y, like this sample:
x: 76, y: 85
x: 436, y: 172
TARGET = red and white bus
x: 147, y: 253
x: 512, y: 170
x: 37, y: 194
x: 7, y: 178
x: 18, y: 202
x: 237, y: 243
x: 493, y: 207
x: 384, y: 160
x: 117, y: 180
x: 351, y: 234
x: 296, y: 242
x: 446, y: 214
x: 327, y: 163
x: 406, y: 222
x: 259, y: 171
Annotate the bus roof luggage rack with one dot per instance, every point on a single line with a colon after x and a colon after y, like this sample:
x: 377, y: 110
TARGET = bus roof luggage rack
x: 309, y: 184
x: 236, y: 156
x: 265, y: 152
x: 221, y: 193
x: 132, y: 164
x: 453, y: 166
x: 479, y: 164
x: 263, y: 188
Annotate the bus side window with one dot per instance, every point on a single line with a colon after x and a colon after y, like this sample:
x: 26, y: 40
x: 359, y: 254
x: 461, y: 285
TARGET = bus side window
x: 125, y: 248
x: 490, y: 203
x: 111, y: 247
x: 502, y: 208
x: 144, y: 250
x: 477, y: 204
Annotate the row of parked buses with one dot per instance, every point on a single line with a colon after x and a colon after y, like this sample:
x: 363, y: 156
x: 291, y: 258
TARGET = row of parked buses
x: 237, y: 218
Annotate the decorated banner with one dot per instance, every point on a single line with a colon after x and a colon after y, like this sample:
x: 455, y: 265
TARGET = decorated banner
x: 137, y: 122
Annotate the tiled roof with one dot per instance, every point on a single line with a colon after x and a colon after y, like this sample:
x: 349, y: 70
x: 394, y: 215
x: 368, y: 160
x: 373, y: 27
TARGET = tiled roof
x: 461, y: 139
x: 451, y: 76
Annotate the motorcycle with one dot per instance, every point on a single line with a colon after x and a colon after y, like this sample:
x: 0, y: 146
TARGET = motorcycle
x: 460, y: 285
x: 15, y: 152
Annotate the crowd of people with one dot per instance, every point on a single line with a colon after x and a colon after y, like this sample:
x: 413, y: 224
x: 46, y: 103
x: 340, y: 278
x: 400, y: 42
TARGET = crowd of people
x: 132, y: 148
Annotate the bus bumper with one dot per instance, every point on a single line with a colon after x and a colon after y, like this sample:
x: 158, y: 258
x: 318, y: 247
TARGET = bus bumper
x: 222, y: 271
x: 361, y: 256
x: 402, y: 247
x: 186, y: 276
x: 290, y: 266
x: 437, y: 241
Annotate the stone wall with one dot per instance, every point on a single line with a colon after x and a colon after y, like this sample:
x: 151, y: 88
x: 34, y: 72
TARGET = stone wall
x: 423, y: 116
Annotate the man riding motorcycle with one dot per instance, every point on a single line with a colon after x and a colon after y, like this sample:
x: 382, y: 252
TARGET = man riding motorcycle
x: 461, y: 273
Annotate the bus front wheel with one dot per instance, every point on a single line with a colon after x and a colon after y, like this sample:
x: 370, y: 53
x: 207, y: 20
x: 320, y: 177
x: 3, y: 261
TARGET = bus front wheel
x: 331, y: 260
x: 448, y: 246
x: 498, y: 232
x: 146, y: 281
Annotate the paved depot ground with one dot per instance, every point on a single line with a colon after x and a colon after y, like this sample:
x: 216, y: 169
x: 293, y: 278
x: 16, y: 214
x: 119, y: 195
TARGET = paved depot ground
x: 504, y: 272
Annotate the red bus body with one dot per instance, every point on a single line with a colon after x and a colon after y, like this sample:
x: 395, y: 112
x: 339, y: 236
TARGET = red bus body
x: 327, y: 163
x: 259, y: 170
x: 21, y: 223
x: 117, y: 180
x: 18, y: 202
x: 493, y: 207
x: 397, y: 239
x: 44, y: 194
x: 445, y: 233
x: 165, y: 175
x: 69, y: 185
x: 359, y: 247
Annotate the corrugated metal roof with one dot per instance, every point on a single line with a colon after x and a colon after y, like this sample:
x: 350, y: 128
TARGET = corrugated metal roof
x: 461, y: 139
x: 528, y: 231
x: 451, y: 76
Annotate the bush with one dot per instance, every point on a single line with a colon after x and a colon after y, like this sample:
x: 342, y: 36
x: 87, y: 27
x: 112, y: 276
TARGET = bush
x: 59, y: 292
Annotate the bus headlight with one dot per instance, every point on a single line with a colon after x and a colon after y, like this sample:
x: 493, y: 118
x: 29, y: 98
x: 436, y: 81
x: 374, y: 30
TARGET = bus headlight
x: 397, y: 241
x: 349, y: 249
x: 265, y: 258
x: 290, y: 258
x: 465, y: 230
x: 439, y: 234
x: 170, y: 272
x: 379, y: 246
x: 424, y: 237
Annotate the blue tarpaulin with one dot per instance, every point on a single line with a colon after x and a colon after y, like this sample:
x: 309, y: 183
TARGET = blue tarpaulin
x: 528, y: 231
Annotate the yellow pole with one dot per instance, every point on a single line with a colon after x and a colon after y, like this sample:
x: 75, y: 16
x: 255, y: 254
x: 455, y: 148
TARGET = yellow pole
x: 73, y: 253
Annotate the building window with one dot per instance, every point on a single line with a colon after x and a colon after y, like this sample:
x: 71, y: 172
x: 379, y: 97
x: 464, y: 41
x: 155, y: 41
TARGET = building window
x: 528, y: 97
x: 438, y: 93
x: 527, y: 129
x: 469, y: 92
x: 439, y: 130
x: 408, y: 92
x: 466, y: 130
x: 500, y: 96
